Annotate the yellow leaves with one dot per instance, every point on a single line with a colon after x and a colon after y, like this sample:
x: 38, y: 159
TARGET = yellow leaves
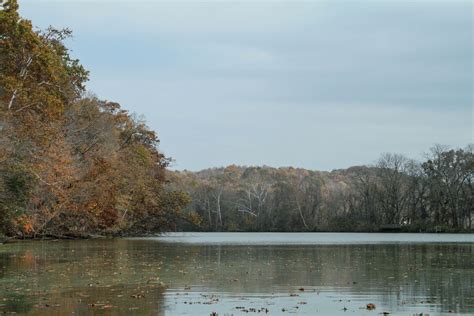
x: 194, y: 218
x: 143, y: 155
x: 37, y: 71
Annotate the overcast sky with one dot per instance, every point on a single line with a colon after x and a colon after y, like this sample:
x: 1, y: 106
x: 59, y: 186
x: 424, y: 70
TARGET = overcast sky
x: 315, y: 84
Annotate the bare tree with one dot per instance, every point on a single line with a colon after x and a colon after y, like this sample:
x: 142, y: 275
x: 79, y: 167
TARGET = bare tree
x: 393, y: 186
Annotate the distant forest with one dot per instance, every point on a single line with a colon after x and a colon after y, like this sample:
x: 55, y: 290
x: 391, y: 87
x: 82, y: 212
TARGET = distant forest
x: 395, y: 193
x: 72, y: 165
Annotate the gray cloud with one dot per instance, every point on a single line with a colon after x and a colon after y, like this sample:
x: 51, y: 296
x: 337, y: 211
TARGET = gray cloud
x: 321, y: 84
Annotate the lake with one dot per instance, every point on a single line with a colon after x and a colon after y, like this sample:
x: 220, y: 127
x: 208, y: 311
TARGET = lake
x: 241, y: 274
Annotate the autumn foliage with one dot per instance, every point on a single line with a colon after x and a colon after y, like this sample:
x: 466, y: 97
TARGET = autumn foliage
x: 396, y: 192
x: 71, y: 164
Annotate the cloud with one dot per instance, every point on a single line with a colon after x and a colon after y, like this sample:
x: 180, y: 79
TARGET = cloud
x: 318, y: 84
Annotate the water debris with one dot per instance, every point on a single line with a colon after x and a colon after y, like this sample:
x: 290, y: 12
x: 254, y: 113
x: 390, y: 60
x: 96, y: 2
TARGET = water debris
x: 370, y: 306
x: 153, y: 280
x: 253, y: 309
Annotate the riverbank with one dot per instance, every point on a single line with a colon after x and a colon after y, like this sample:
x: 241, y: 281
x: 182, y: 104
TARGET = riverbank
x: 382, y: 229
x: 5, y: 239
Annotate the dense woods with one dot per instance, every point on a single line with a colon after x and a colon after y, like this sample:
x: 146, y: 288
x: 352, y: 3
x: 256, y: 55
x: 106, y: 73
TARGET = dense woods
x: 435, y: 195
x: 71, y: 164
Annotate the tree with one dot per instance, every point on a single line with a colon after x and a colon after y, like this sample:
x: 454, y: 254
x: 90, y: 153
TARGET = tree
x: 397, y: 190
x: 450, y: 174
x: 71, y: 164
x: 393, y: 189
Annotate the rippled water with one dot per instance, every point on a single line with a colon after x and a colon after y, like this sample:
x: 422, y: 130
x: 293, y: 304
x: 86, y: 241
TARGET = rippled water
x: 241, y: 274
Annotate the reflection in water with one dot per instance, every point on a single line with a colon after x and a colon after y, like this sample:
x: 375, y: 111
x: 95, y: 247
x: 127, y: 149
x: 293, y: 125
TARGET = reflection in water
x: 129, y: 276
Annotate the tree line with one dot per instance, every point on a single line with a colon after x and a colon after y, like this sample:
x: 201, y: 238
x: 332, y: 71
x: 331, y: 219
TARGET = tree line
x: 433, y: 195
x: 71, y: 164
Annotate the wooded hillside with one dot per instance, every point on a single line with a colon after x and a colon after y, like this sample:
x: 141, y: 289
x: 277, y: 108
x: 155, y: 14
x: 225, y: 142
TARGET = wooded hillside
x: 436, y: 194
x: 71, y: 164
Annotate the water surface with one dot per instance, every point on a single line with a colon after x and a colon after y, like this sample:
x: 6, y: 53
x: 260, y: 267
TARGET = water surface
x: 310, y: 238
x: 241, y: 274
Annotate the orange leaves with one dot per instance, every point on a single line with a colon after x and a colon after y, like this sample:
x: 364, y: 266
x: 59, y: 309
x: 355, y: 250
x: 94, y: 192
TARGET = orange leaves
x: 28, y: 228
x: 24, y: 224
x: 94, y: 167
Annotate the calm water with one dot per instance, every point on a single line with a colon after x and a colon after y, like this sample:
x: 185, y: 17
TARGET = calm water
x: 241, y: 274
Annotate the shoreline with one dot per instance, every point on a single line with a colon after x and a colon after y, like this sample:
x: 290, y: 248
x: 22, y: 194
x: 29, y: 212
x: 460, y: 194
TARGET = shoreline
x: 7, y: 240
